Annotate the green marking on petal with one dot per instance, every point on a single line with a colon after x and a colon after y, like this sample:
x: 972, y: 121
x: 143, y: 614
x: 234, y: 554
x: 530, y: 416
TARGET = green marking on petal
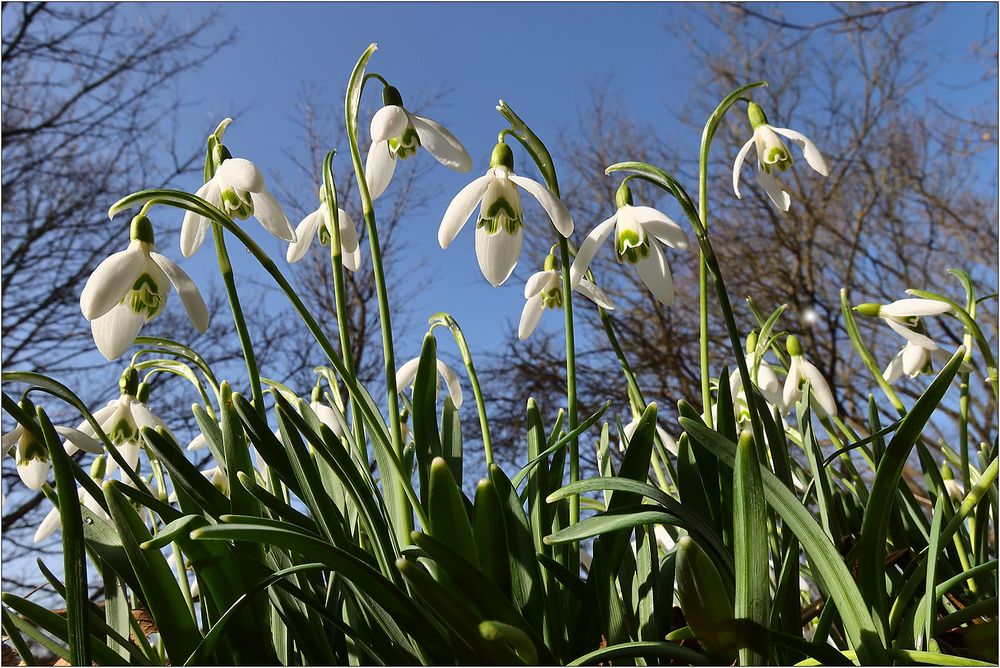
x: 631, y: 245
x: 30, y: 448
x: 235, y: 205
x: 500, y: 215
x: 552, y: 299
x: 406, y: 144
x: 144, y: 297
x: 122, y: 432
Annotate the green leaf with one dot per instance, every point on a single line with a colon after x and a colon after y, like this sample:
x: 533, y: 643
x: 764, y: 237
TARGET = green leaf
x: 185, y: 477
x: 446, y: 511
x: 526, y: 582
x: 177, y: 628
x: 74, y: 558
x: 750, y: 545
x: 237, y: 454
x: 643, y: 649
x: 268, y: 447
x: 871, y: 561
x: 451, y: 437
x: 861, y: 631
x: 426, y: 438
x: 705, y: 601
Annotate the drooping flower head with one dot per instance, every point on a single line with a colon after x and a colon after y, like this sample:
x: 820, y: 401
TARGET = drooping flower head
x: 762, y: 375
x: 773, y: 155
x: 801, y: 370
x: 122, y: 418
x: 903, y: 316
x: 318, y: 223
x: 130, y: 288
x: 639, y: 230
x: 237, y: 189
x: 407, y: 374
x: 543, y: 290
x: 500, y: 228
x: 31, y: 455
x: 397, y: 134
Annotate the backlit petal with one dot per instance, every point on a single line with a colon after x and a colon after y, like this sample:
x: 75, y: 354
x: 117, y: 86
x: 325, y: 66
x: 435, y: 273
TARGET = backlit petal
x: 116, y: 330
x: 589, y: 248
x: 461, y: 208
x: 77, y: 440
x: 820, y: 388
x: 809, y: 150
x: 531, y: 314
x: 655, y: 274
x: 894, y: 371
x: 267, y: 210
x: 774, y: 190
x: 595, y: 294
x: 33, y: 473
x: 190, y: 296
x: 537, y: 282
x: 911, y: 335
x: 389, y: 121
x: 379, y: 168
x: 49, y: 524
x: 553, y: 206
x: 241, y: 174
x: 451, y: 382
x: 406, y: 374
x: 498, y: 253
x: 659, y: 225
x: 905, y: 308
x: 738, y: 165
x: 195, y: 227
x: 111, y: 280
x: 440, y: 143
x: 305, y: 232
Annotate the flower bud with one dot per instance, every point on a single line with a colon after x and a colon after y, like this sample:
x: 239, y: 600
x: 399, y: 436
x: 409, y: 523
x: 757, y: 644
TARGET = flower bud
x: 624, y: 195
x: 99, y: 467
x: 870, y: 310
x: 793, y: 346
x: 129, y: 382
x: 502, y: 156
x: 141, y: 229
x: 756, y: 115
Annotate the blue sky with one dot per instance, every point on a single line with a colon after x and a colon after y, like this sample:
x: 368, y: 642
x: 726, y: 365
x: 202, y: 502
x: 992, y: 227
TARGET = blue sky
x: 541, y: 57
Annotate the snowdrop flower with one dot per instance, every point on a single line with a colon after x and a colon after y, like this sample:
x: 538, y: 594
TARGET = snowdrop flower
x: 407, y: 374
x: 237, y: 188
x: 122, y: 418
x: 543, y: 290
x: 500, y: 229
x: 629, y: 430
x: 903, y: 316
x: 396, y: 133
x: 639, y: 230
x: 773, y: 154
x: 801, y: 370
x: 130, y: 288
x: 326, y: 414
x: 766, y: 380
x: 319, y: 222
x: 32, y: 457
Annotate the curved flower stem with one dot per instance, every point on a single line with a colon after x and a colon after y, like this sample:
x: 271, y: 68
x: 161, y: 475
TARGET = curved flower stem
x: 543, y: 160
x: 340, y: 292
x: 446, y: 320
x: 353, y: 101
x: 370, y: 413
x: 706, y: 145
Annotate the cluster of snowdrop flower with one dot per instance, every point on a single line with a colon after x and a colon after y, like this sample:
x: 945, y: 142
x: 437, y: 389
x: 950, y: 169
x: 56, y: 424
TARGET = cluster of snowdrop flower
x: 903, y: 316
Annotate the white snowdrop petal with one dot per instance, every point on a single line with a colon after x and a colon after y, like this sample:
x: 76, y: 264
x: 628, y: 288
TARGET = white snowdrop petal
x: 738, y: 165
x: 774, y: 190
x: 379, y: 167
x: 198, y: 442
x: 659, y: 225
x: 269, y: 213
x: 820, y: 388
x: 537, y: 282
x: 595, y: 294
x: 768, y: 383
x: 305, y: 232
x: 48, y: 526
x: 553, y: 206
x: 116, y: 330
x: 911, y: 335
x: 905, y: 308
x: 10, y: 438
x: 241, y: 174
x: 498, y: 253
x: 195, y: 227
x: 915, y: 359
x: 655, y: 273
x: 190, y: 296
x: 111, y: 281
x: 79, y: 441
x: 812, y: 155
x: 790, y: 393
x: 461, y: 208
x: 589, y: 249
x: 389, y: 121
x: 451, y: 382
x: 33, y: 473
x: 894, y: 371
x: 406, y: 374
x: 531, y: 314
x: 442, y: 144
